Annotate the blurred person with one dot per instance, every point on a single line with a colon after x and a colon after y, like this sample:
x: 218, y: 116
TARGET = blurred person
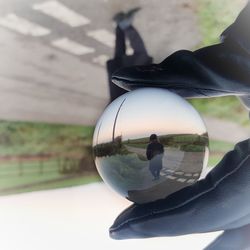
x: 125, y: 29
x: 154, y: 154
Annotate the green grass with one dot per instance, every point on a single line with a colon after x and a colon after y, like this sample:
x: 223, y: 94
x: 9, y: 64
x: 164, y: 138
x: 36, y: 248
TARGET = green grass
x: 215, y: 16
x: 225, y: 108
x: 19, y: 138
x: 27, y: 179
x: 10, y: 173
x: 71, y: 182
x: 16, y: 178
x: 64, y: 144
x: 220, y: 146
x: 28, y: 166
x: 217, y: 150
x: 214, y: 160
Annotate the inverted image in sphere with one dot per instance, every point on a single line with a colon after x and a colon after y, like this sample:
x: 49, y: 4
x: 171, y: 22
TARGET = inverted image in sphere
x: 150, y: 143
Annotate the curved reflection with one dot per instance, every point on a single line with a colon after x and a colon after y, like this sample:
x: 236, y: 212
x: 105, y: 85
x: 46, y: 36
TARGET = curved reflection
x: 150, y: 143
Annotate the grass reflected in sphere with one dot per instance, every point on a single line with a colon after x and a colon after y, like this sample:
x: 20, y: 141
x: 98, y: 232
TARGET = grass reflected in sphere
x: 150, y: 143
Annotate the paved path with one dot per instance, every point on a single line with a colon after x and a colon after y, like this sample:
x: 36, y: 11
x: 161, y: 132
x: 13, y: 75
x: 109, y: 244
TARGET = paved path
x: 179, y: 169
x: 51, y: 66
x: 74, y: 218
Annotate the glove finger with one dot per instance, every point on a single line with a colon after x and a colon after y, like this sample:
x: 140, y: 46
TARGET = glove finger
x: 218, y: 202
x: 217, y: 70
x: 179, y: 72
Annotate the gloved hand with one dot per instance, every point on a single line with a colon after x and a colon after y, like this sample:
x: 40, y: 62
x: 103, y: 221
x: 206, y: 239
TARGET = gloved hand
x: 221, y: 201
x: 218, y: 70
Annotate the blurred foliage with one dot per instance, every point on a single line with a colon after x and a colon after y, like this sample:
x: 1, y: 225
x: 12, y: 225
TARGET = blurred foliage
x: 213, y: 18
x: 220, y: 146
x: 37, y: 156
x: 24, y: 138
x: 38, y: 184
x: 217, y: 149
x: 227, y: 108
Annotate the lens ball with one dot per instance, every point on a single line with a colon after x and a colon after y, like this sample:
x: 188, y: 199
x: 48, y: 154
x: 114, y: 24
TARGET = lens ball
x: 150, y: 143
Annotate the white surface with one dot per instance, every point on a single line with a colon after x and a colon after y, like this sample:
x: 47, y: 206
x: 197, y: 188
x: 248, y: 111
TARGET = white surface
x: 75, y: 218
x: 72, y: 47
x: 103, y: 36
x: 62, y: 13
x: 23, y: 26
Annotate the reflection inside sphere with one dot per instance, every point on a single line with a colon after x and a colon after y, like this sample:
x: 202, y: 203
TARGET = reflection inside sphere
x: 150, y: 143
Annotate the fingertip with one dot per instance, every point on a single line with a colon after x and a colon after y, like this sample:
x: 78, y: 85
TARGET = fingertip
x: 130, y: 78
x: 121, y: 83
x: 123, y: 73
x: 125, y: 233
x: 121, y: 232
x: 116, y: 234
x: 121, y: 235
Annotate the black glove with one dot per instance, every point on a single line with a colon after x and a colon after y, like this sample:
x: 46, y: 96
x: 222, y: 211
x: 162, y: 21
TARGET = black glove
x: 218, y: 70
x: 222, y: 200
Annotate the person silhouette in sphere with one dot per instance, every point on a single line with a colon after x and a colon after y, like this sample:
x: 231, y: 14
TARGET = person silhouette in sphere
x: 154, y: 153
x: 125, y: 29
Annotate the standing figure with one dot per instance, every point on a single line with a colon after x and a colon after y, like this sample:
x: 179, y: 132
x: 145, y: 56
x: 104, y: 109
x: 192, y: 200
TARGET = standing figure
x: 155, y: 151
x: 124, y: 29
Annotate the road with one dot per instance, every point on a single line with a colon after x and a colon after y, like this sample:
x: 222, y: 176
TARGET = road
x: 52, y: 66
x: 179, y: 169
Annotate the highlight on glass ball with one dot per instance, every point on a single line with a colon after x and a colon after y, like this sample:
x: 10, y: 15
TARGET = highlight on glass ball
x: 150, y: 143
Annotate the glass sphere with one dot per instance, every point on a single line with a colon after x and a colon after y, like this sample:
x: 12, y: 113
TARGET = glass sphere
x: 150, y: 143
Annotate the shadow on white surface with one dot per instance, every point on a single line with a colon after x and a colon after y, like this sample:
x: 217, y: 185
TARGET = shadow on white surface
x: 75, y: 218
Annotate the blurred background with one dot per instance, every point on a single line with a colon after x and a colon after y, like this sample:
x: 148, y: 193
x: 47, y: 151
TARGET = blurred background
x: 54, y: 83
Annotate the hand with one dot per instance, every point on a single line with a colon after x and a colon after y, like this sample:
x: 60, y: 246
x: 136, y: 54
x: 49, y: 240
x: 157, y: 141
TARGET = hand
x: 220, y: 201
x: 218, y: 70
